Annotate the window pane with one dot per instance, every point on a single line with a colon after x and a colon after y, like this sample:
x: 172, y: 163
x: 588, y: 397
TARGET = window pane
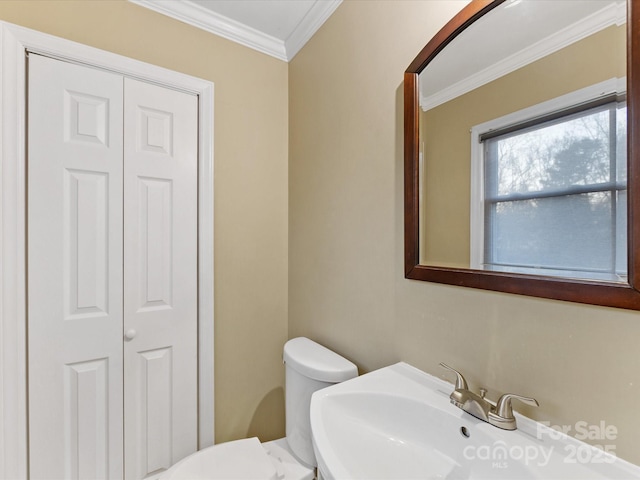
x: 573, y: 151
x: 535, y: 233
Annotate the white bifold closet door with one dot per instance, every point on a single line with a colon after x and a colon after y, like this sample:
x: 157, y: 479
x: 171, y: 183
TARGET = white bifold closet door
x: 112, y: 274
x: 160, y: 277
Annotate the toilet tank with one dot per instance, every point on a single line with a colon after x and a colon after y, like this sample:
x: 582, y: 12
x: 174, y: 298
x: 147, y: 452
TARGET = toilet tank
x: 309, y: 367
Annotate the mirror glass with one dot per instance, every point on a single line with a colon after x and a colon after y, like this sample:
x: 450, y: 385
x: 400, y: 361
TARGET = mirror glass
x: 522, y: 143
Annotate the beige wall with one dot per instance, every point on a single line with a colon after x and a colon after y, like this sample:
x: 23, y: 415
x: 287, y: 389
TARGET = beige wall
x: 250, y: 189
x: 346, y: 285
x: 447, y: 143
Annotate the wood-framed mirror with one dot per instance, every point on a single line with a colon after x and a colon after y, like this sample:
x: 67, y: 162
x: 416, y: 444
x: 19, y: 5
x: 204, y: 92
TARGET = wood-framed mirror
x: 559, y: 223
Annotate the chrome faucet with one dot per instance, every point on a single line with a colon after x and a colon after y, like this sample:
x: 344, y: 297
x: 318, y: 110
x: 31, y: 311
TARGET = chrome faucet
x: 499, y: 415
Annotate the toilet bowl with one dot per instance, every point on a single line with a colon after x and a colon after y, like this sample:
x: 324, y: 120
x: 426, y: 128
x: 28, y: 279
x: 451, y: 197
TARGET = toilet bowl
x: 308, y: 367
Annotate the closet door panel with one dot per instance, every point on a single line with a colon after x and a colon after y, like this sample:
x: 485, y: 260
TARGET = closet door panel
x: 160, y: 277
x: 74, y: 271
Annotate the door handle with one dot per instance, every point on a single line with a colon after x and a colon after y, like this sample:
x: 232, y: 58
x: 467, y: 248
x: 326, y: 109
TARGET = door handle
x: 130, y: 334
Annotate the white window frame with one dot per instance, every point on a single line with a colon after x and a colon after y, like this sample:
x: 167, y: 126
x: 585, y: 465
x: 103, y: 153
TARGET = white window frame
x: 477, y: 207
x: 15, y: 43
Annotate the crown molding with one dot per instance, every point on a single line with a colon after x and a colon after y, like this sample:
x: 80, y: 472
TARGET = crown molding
x: 205, y: 19
x: 614, y: 14
x: 310, y: 24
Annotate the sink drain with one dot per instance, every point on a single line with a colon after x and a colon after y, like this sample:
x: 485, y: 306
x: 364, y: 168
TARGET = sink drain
x: 465, y: 433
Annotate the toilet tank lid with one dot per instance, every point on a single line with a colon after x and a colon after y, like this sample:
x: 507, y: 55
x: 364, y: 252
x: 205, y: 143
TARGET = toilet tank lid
x: 317, y: 362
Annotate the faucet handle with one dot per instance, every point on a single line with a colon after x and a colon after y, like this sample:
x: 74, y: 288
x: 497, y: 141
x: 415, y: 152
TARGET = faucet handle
x: 504, y: 408
x: 461, y: 383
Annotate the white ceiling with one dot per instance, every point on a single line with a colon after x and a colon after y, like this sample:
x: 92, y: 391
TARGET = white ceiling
x: 527, y: 30
x: 279, y: 28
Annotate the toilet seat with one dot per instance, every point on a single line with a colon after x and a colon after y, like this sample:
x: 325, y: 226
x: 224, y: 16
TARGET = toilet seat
x: 238, y: 460
x: 246, y: 459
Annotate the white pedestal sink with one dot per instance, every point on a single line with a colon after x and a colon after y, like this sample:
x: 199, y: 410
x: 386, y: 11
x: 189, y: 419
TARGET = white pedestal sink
x: 397, y: 423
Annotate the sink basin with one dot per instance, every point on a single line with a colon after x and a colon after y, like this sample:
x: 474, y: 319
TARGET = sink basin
x: 397, y: 423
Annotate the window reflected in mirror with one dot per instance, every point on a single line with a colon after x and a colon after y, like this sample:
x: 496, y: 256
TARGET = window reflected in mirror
x: 551, y: 183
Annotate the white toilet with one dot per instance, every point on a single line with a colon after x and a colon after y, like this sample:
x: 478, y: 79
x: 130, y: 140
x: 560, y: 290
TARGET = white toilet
x: 309, y: 367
